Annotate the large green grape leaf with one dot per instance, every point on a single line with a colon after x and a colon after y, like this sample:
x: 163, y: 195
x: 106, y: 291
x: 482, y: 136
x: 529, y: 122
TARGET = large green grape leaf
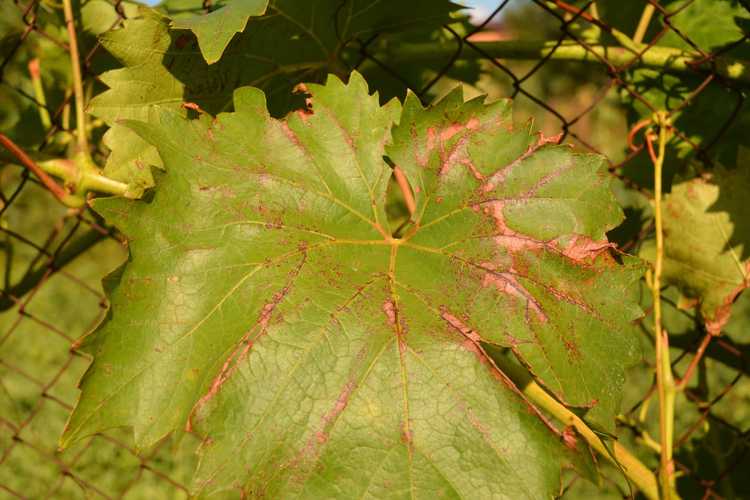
x: 267, y: 307
x: 707, y: 241
x: 215, y: 29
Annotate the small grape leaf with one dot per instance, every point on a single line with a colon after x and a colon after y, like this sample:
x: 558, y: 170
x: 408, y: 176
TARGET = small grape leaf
x: 707, y: 241
x: 215, y: 29
x: 267, y: 307
x: 131, y: 159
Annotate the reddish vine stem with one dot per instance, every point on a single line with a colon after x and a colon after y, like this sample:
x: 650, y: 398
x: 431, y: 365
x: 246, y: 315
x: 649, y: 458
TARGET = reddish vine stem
x: 694, y: 362
x: 27, y: 162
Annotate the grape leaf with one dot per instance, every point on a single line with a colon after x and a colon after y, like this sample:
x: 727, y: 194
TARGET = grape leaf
x: 707, y: 241
x: 215, y: 29
x: 267, y: 307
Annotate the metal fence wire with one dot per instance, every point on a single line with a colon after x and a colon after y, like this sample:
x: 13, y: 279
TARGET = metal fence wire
x: 51, y: 292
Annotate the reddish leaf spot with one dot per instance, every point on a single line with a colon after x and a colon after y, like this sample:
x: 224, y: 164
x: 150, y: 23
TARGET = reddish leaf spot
x: 193, y: 106
x: 460, y: 326
x: 583, y: 248
x: 390, y: 312
x: 455, y: 128
x: 340, y: 404
x: 407, y: 435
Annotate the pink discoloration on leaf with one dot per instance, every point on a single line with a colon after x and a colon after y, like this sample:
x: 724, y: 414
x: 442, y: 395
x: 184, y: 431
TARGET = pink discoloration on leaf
x: 218, y: 381
x: 506, y: 237
x: 193, y: 106
x: 407, y: 435
x: 479, y: 426
x: 450, y: 157
x: 448, y: 132
x: 583, y: 248
x: 290, y: 134
x: 340, y: 403
x: 431, y: 139
x: 312, y: 448
x: 460, y: 326
x: 473, y: 169
x: 390, y: 312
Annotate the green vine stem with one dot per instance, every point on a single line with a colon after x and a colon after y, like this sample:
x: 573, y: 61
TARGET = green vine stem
x: 664, y: 379
x: 640, y: 31
x: 663, y: 58
x: 75, y: 65
x: 83, y: 180
x: 36, y: 83
x: 634, y: 470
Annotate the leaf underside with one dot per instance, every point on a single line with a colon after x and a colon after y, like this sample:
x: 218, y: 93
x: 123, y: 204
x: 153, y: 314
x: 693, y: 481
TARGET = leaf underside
x: 707, y: 255
x: 266, y: 307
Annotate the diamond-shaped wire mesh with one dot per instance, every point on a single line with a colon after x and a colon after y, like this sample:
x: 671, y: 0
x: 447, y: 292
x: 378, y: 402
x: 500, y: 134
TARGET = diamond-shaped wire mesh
x: 54, y: 258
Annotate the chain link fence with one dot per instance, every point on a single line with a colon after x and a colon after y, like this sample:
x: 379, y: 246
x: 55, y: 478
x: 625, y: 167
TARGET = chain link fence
x: 54, y: 258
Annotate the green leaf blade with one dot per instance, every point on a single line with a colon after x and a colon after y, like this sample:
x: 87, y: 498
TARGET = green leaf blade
x: 267, y: 308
